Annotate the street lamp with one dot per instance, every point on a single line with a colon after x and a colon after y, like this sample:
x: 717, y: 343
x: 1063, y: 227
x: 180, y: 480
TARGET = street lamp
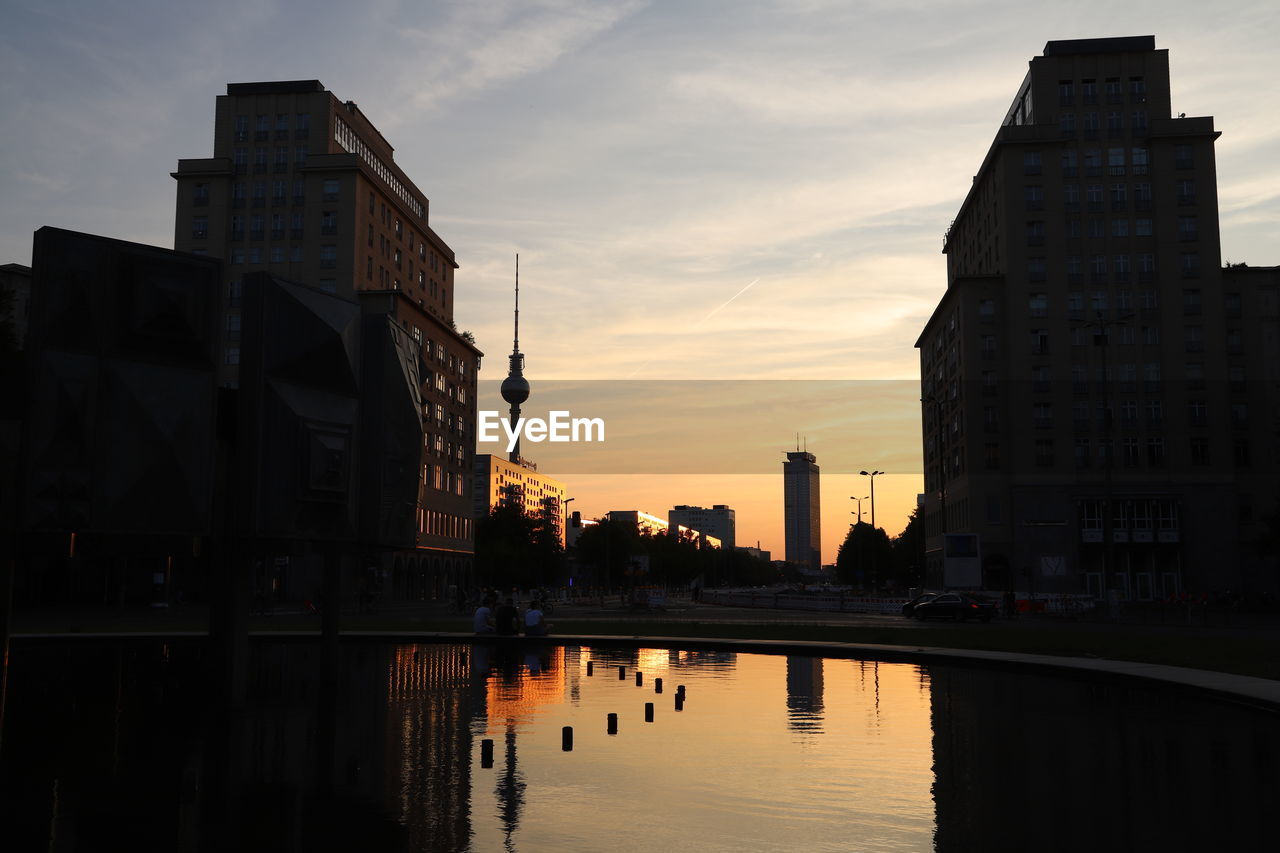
x: 859, y: 500
x: 872, y: 475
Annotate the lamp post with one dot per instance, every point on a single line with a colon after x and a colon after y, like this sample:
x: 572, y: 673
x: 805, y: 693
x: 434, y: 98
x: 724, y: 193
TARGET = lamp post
x: 1101, y: 328
x: 859, y: 500
x: 872, y: 475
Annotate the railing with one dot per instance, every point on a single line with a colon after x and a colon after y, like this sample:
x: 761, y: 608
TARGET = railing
x: 825, y: 602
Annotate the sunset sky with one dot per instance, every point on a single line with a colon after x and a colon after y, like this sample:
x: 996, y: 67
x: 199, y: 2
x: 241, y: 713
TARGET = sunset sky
x: 704, y: 190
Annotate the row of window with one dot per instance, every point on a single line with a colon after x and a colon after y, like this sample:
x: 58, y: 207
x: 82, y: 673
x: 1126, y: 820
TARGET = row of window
x: 1097, y: 228
x: 432, y: 523
x: 352, y: 143
x: 1119, y: 268
x: 263, y: 125
x: 1114, y: 87
x: 1139, y: 162
x: 281, y: 255
x: 258, y: 226
x: 1131, y: 452
x: 240, y: 158
x: 1117, y: 193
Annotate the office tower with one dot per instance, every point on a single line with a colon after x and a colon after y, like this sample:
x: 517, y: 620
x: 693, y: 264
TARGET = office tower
x: 1078, y: 418
x: 498, y: 480
x: 302, y: 186
x: 801, y: 509
x: 718, y: 521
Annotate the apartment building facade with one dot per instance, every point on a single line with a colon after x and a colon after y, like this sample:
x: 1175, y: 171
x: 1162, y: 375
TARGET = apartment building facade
x: 303, y: 186
x: 1078, y: 408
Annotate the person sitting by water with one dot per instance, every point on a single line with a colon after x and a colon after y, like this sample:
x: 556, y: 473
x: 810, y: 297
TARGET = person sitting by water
x: 508, y: 618
x: 483, y: 620
x: 534, y: 623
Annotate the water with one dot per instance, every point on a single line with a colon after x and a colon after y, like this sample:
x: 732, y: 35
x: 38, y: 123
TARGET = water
x: 119, y: 746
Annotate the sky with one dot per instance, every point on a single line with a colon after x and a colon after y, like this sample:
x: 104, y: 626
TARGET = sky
x: 702, y: 190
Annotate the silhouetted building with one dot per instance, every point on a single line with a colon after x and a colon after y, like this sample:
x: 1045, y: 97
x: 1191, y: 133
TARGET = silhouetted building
x: 15, y: 305
x: 1078, y: 406
x: 304, y: 187
x: 802, y: 509
x: 718, y: 521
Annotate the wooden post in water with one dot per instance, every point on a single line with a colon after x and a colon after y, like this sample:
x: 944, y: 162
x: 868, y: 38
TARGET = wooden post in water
x: 622, y: 673
x: 590, y: 666
x: 648, y: 712
x: 657, y: 685
x: 639, y: 679
x: 566, y: 739
x: 613, y: 724
x: 486, y: 753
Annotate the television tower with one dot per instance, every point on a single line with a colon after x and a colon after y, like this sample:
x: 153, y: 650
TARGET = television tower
x: 515, y: 388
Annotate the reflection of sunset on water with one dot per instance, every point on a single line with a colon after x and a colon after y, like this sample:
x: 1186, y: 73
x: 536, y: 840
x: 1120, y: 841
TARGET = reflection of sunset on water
x: 536, y: 684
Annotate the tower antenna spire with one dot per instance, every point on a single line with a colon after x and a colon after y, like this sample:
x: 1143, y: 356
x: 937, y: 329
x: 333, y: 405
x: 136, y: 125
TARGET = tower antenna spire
x: 515, y: 342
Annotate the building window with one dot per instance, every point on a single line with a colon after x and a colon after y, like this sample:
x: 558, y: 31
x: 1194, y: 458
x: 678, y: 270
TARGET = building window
x: 296, y: 254
x: 1186, y: 191
x: 232, y: 355
x: 1035, y: 269
x: 1044, y: 452
x: 1031, y: 163
x: 1182, y: 158
x: 1155, y: 452
x: 242, y: 129
x: 1034, y: 195
x: 1038, y: 304
x: 302, y: 124
x: 300, y: 155
x: 328, y: 256
x: 255, y: 254
x: 1067, y: 123
x: 1188, y: 229
x: 1119, y: 228
x: 1070, y: 163
x: 329, y: 222
x: 237, y: 227
x: 1193, y: 338
x: 1130, y: 453
x: 1190, y: 265
x: 200, y: 227
x: 329, y: 285
x: 1039, y: 341
x: 1083, y: 452
x: 256, y: 226
x: 330, y: 189
x: 1140, y: 165
x: 1142, y: 227
x: 237, y: 256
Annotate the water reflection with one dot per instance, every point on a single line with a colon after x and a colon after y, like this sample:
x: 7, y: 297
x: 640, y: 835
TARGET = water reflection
x: 116, y: 747
x: 804, y: 694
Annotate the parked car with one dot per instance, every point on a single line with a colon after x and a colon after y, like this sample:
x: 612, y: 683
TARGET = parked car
x: 955, y: 605
x: 908, y: 609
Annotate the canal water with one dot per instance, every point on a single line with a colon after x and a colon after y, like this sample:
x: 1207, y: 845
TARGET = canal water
x: 123, y: 746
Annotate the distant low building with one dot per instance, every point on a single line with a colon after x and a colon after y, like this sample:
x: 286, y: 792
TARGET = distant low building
x: 15, y: 305
x: 718, y: 521
x: 643, y: 521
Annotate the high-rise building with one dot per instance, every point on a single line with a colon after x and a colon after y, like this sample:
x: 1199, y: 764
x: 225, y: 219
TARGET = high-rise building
x: 303, y: 186
x: 801, y: 509
x: 718, y: 521
x: 1079, y: 413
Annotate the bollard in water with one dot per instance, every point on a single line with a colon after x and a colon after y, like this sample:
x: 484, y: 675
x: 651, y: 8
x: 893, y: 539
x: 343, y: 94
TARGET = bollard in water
x: 639, y: 679
x: 613, y: 724
x: 679, y: 701
x: 590, y: 666
x: 622, y: 673
x: 657, y: 685
x: 486, y: 753
x: 566, y: 738
x: 680, y: 690
x: 648, y: 712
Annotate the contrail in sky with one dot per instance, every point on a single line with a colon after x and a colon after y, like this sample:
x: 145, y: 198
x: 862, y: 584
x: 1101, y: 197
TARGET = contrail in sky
x: 713, y: 313
x: 726, y: 302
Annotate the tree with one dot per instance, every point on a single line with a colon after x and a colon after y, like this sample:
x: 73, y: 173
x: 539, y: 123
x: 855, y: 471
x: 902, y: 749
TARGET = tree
x: 865, y: 557
x: 908, y: 552
x: 514, y: 548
